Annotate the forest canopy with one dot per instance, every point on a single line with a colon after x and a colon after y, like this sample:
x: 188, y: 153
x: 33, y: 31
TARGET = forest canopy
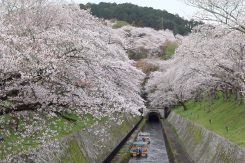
x: 142, y: 16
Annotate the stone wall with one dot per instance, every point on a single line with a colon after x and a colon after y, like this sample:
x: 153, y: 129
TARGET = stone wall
x: 92, y: 145
x: 204, y: 146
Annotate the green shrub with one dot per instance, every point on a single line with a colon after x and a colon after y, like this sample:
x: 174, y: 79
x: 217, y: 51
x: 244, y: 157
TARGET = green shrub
x: 169, y: 50
x: 141, y: 54
x: 119, y: 24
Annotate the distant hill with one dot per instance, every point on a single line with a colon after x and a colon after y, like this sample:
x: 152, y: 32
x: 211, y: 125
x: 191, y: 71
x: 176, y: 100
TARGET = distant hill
x: 142, y: 16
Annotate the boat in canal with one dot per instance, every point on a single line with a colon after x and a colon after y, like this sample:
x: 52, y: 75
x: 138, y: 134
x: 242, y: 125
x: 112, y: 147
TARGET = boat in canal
x: 144, y: 136
x: 139, y: 148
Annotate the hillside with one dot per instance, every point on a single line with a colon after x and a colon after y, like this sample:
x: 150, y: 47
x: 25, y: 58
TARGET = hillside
x: 142, y: 16
x: 144, y: 42
x: 224, y: 118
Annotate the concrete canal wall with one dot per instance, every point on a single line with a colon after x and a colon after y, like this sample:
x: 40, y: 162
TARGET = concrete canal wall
x: 204, y: 146
x: 91, y: 145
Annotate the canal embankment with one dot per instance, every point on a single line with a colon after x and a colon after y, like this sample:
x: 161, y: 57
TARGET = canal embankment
x: 123, y: 155
x: 174, y: 146
x: 204, y: 146
x: 92, y: 144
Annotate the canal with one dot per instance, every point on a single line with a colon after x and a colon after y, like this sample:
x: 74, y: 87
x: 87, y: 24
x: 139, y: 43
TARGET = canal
x: 157, y: 152
x: 157, y: 148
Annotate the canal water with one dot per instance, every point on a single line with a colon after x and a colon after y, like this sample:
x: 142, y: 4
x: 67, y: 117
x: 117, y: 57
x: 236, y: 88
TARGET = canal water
x: 157, y: 149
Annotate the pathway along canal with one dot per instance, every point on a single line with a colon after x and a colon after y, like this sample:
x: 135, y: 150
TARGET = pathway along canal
x: 157, y: 148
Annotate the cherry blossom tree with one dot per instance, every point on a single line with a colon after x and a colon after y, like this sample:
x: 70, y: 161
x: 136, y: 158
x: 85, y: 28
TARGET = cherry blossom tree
x: 228, y: 12
x: 209, y: 59
x: 144, y: 40
x: 57, y: 58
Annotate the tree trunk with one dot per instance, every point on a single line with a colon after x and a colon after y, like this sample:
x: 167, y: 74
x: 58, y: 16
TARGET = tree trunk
x: 22, y: 107
x: 212, y: 93
x: 183, y: 105
x: 239, y: 97
x: 225, y: 94
x: 167, y: 111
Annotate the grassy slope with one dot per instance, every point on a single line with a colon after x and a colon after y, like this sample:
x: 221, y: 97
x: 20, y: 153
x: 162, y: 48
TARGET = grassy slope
x: 61, y: 127
x: 14, y: 143
x: 227, y: 119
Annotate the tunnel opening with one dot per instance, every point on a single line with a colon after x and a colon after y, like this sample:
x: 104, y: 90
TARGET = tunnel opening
x: 153, y: 117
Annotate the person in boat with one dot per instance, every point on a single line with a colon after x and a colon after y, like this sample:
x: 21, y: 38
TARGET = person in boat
x: 139, y: 151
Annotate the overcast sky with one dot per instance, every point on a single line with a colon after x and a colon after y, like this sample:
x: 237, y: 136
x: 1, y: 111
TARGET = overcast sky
x: 172, y: 6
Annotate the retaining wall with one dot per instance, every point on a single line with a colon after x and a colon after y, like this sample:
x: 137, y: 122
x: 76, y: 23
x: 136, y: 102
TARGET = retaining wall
x: 204, y: 146
x: 91, y: 145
